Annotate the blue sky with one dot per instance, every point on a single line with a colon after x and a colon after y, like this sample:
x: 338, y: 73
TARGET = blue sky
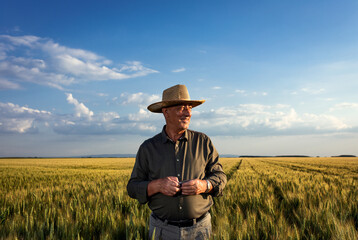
x: 278, y: 77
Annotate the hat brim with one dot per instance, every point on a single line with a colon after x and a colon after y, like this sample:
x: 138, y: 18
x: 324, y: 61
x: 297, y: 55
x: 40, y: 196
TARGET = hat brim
x: 157, y: 107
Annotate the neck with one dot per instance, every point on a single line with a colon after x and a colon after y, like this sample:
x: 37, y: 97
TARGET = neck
x: 173, y: 134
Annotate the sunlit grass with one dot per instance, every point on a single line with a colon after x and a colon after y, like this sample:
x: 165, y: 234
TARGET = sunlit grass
x: 267, y: 198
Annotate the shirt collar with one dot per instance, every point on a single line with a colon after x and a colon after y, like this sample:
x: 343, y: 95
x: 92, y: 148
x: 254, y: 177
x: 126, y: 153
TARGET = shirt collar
x: 165, y: 137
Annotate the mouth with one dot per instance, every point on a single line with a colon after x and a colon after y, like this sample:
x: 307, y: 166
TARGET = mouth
x: 185, y: 120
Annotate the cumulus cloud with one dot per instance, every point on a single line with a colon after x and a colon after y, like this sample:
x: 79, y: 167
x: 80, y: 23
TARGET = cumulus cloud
x: 179, y: 70
x: 20, y: 119
x: 16, y: 119
x: 241, y: 120
x: 258, y: 119
x: 85, y: 122
x: 80, y: 108
x: 43, y: 61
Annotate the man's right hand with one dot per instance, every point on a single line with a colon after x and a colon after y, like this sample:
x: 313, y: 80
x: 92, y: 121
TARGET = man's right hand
x: 168, y: 186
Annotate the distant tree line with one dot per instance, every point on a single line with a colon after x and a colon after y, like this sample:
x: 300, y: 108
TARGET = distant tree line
x: 346, y: 155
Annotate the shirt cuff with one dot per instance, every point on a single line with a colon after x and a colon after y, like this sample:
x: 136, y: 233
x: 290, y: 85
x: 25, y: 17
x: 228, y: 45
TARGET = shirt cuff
x: 142, y: 192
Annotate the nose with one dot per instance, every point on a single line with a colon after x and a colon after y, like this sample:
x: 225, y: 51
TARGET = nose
x: 187, y: 111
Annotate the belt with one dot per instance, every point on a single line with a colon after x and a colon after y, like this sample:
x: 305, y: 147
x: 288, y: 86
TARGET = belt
x: 182, y: 223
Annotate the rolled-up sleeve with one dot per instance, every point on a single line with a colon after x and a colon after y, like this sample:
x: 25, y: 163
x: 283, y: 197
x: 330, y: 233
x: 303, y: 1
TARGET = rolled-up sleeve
x: 138, y: 182
x: 214, y: 171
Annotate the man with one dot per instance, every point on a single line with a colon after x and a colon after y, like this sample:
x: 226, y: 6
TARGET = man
x: 177, y: 172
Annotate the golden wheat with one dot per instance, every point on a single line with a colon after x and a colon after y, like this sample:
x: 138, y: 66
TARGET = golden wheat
x: 265, y: 198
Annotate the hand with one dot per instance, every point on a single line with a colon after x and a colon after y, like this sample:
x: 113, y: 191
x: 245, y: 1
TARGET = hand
x: 194, y: 187
x: 168, y: 186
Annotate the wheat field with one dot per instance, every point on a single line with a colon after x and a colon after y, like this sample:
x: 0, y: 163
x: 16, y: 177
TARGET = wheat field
x: 265, y: 198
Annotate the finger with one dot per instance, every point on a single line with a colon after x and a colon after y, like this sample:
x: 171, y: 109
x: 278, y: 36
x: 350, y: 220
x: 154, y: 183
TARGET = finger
x: 187, y: 187
x: 172, y: 178
x: 174, y: 184
x: 175, y: 190
x: 188, y: 192
x: 171, y: 191
x: 188, y: 183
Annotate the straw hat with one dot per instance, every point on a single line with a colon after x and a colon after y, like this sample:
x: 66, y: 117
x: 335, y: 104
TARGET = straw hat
x: 172, y: 96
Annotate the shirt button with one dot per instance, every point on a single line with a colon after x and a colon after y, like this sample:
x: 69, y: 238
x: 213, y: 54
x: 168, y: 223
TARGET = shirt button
x: 178, y: 160
x: 180, y: 208
x: 178, y: 175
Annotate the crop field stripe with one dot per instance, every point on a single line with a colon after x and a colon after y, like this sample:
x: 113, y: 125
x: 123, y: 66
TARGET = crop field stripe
x: 307, y: 169
x: 233, y: 170
x: 321, y: 164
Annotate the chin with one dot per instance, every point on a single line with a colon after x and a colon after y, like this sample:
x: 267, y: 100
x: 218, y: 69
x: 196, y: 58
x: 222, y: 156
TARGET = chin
x: 185, y: 126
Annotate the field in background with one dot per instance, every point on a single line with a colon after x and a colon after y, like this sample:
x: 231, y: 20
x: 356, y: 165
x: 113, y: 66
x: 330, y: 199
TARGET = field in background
x: 265, y: 198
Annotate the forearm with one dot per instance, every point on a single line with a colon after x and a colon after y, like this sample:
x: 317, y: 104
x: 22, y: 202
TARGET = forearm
x: 153, y: 187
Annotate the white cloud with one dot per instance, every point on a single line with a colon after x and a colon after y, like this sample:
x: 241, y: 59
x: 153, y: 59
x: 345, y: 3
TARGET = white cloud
x: 5, y: 84
x: 85, y: 122
x: 80, y: 109
x: 241, y: 120
x: 22, y: 74
x: 24, y: 40
x: 324, y: 122
x: 257, y: 119
x: 147, y: 127
x: 108, y: 116
x: 313, y: 91
x: 345, y: 105
x: 142, y: 115
x: 179, y: 70
x: 136, y: 69
x: 139, y: 98
x: 240, y: 91
x: 42, y: 61
x: 89, y: 70
x: 20, y: 119
x: 216, y: 88
x: 10, y: 109
x: 246, y: 93
x: 17, y: 125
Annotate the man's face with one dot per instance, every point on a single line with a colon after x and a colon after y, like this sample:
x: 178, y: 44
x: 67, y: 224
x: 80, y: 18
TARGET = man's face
x: 178, y: 117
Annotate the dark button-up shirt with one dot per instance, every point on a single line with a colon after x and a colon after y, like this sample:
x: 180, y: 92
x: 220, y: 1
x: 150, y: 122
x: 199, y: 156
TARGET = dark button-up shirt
x: 193, y: 156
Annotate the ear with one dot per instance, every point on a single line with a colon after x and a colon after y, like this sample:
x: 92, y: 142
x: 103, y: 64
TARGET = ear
x: 165, y: 112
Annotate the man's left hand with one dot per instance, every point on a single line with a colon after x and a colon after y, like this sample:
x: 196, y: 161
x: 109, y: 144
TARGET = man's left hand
x: 194, y: 187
